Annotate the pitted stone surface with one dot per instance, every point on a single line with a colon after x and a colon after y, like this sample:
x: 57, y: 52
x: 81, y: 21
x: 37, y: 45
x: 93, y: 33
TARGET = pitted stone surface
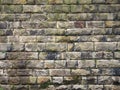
x: 59, y: 44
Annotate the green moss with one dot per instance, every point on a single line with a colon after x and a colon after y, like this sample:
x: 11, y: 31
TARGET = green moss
x: 1, y: 32
x: 13, y: 87
x: 108, y: 50
x: 75, y: 77
x: 45, y: 85
x: 1, y: 88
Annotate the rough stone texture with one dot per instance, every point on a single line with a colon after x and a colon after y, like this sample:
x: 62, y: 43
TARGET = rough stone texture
x: 59, y: 44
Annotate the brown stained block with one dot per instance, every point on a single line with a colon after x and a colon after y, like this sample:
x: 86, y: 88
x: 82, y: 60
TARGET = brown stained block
x: 79, y: 24
x: 14, y: 80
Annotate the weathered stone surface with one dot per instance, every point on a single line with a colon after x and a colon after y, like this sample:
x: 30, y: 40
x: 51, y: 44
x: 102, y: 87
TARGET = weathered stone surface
x: 107, y: 55
x: 2, y: 55
x: 34, y: 64
x: 32, y: 80
x: 89, y: 31
x: 59, y: 72
x: 19, y: 1
x: 22, y: 55
x: 84, y: 1
x: 86, y: 55
x: 55, y: 31
x: 116, y: 31
x: 55, y: 1
x: 115, y: 87
x: 45, y: 39
x: 103, y: 16
x: 60, y: 64
x: 40, y: 72
x: 51, y: 56
x: 95, y: 24
x: 60, y: 8
x: 112, y: 24
x: 84, y: 46
x: 31, y: 47
x: 80, y: 72
x: 37, y: 25
x: 117, y: 54
x: 24, y: 72
x: 43, y: 79
x: 41, y: 2
x: 18, y: 87
x: 6, y: 2
x: 92, y: 80
x: 14, y: 80
x: 79, y: 24
x: 63, y: 87
x: 4, y: 80
x: 65, y: 25
x: 54, y: 47
x: 95, y: 87
x: 5, y: 47
x: 22, y: 17
x: 107, y: 63
x: 83, y: 8
x: 13, y: 39
x: 57, y: 17
x: 32, y: 8
x: 62, y: 39
x: 105, y: 46
x: 13, y: 8
x: 81, y: 16
x: 72, y: 63
x: 49, y: 64
x: 73, y: 56
x: 19, y: 64
x: 28, y: 39
x: 77, y: 87
x: 98, y: 1
x: 3, y: 25
x: 108, y: 8
x: 5, y: 64
x: 59, y: 44
x: 86, y: 63
x: 57, y: 80
x: 38, y: 17
x: 78, y: 32
x: 17, y: 47
x: 111, y: 1
x: 108, y: 80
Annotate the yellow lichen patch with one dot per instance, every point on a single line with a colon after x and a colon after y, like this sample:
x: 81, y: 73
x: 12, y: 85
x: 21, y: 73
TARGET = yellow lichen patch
x: 19, y: 1
x: 109, y: 23
x: 55, y: 1
x: 112, y: 23
x: 43, y: 79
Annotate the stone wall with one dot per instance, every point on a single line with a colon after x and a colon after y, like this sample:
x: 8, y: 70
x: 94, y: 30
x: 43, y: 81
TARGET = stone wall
x: 59, y: 44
